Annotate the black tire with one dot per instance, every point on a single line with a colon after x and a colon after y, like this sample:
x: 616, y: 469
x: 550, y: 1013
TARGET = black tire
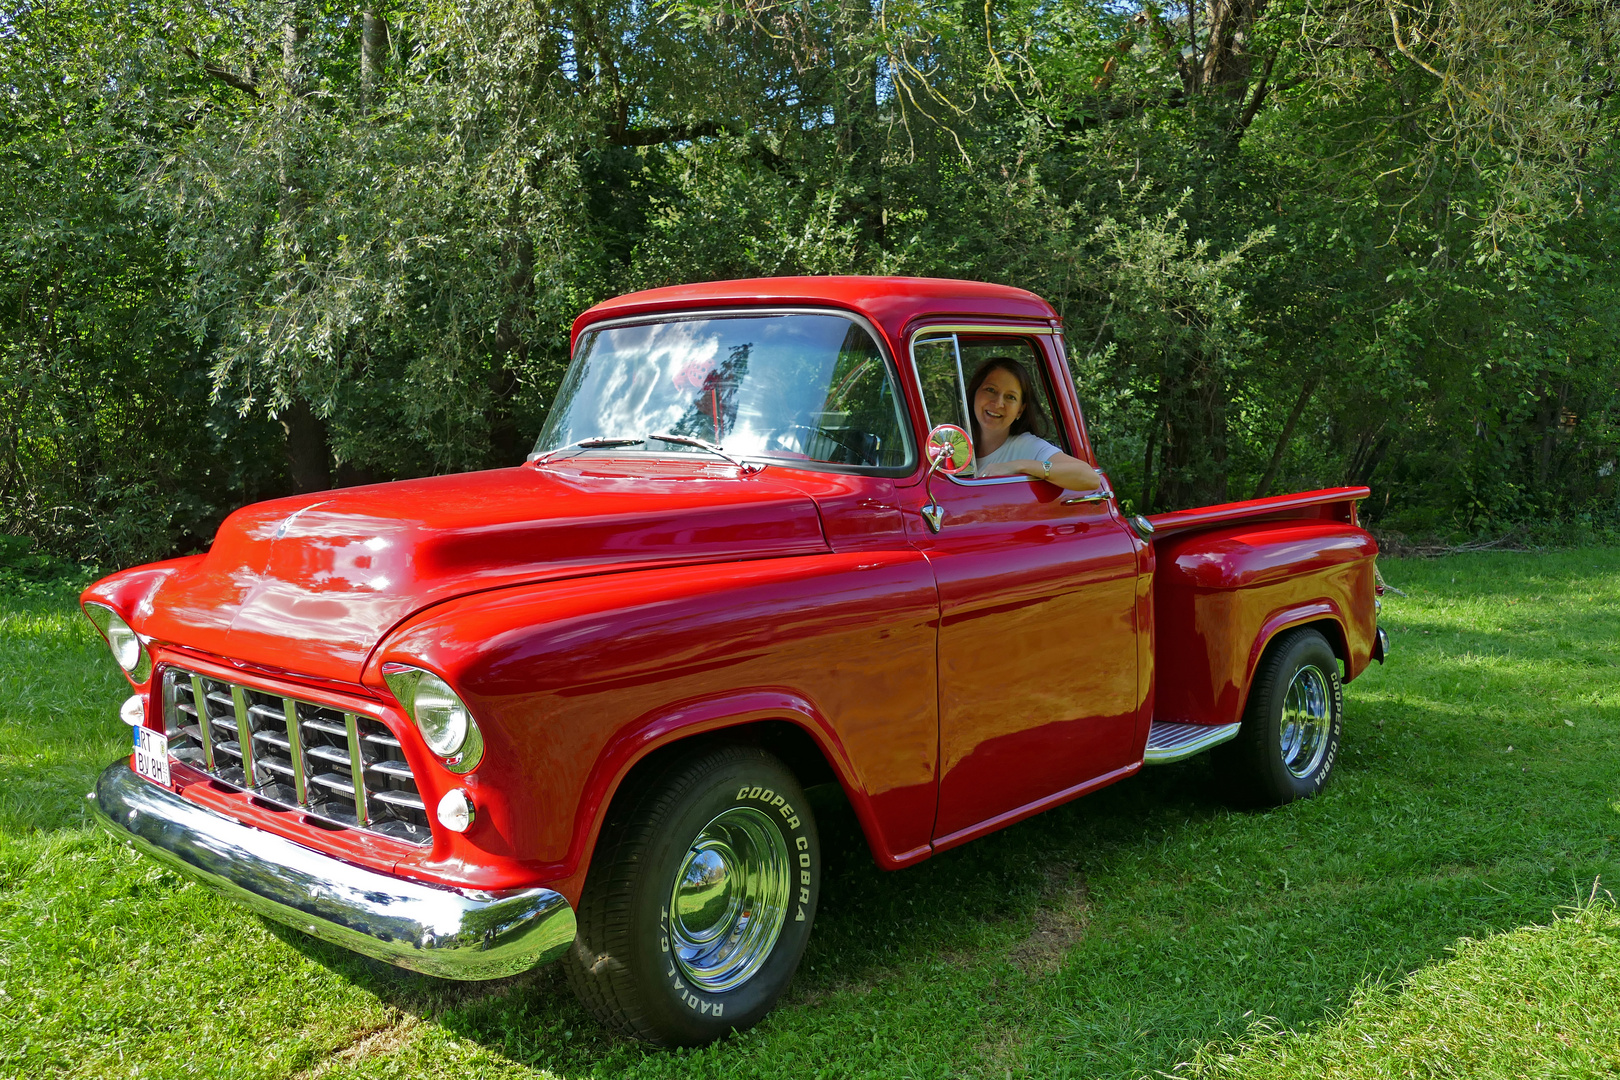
x: 628, y: 964
x: 1277, y: 758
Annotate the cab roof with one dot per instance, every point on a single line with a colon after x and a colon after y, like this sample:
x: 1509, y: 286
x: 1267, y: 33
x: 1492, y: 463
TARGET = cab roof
x: 888, y: 302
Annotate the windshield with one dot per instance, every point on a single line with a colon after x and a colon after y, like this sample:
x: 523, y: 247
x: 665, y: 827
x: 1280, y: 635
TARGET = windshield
x: 810, y: 388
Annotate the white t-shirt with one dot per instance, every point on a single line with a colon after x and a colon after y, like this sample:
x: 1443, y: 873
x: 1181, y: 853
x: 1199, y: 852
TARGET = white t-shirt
x: 1022, y: 447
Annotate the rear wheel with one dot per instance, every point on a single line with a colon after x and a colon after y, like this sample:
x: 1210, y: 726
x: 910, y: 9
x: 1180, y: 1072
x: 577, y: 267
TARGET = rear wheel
x: 1289, y: 741
x: 699, y: 901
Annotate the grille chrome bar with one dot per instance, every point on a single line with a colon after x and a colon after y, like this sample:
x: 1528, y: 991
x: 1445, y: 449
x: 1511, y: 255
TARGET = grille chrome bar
x: 205, y: 725
x: 357, y: 768
x: 341, y: 769
x: 401, y: 798
x: 244, y: 734
x: 295, y: 748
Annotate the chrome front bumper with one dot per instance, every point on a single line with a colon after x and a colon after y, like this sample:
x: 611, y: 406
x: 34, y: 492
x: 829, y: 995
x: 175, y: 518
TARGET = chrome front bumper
x: 450, y: 933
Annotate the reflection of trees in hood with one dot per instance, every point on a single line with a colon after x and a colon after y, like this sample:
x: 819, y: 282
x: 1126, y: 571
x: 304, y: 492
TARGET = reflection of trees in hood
x: 714, y: 410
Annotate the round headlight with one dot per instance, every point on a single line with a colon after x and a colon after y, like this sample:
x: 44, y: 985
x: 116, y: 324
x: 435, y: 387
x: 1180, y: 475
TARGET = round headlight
x: 456, y: 810
x: 126, y: 647
x: 439, y: 715
x: 443, y: 719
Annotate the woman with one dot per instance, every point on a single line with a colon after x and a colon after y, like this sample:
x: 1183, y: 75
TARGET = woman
x: 1007, y: 430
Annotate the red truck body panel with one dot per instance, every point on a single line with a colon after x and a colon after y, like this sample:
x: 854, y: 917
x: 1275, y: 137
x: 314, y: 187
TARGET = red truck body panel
x: 1221, y: 596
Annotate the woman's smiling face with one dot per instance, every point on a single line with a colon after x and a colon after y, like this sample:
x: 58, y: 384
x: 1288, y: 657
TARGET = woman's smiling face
x: 998, y: 403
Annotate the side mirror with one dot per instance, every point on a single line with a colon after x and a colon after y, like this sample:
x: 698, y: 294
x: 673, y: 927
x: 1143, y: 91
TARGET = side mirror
x: 950, y: 450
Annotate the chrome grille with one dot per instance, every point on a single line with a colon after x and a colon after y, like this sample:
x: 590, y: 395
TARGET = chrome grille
x: 338, y: 766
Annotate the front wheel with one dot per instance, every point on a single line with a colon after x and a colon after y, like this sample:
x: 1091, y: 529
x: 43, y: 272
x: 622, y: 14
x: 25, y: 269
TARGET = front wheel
x: 1289, y: 741
x: 699, y: 901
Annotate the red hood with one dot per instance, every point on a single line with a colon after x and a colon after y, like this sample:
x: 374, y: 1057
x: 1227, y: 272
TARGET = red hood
x: 310, y: 585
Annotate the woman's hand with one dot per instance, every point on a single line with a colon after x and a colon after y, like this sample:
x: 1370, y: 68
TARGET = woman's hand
x: 1069, y: 473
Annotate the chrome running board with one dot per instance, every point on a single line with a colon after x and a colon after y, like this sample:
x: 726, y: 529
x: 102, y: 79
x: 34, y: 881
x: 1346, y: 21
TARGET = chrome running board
x: 1172, y: 742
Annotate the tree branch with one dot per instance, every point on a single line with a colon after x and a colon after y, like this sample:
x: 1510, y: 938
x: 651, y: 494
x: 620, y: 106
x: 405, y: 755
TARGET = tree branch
x: 1255, y: 99
x: 1395, y: 25
x: 229, y: 78
x: 624, y: 135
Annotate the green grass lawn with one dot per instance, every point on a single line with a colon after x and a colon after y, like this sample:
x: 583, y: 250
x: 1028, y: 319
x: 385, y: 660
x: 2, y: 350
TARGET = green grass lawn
x: 1433, y: 913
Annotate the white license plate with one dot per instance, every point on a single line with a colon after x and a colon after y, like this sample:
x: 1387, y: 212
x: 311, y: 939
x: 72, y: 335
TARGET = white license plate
x: 152, y: 754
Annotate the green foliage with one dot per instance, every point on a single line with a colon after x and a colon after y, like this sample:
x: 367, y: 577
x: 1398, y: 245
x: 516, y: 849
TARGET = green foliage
x: 247, y: 249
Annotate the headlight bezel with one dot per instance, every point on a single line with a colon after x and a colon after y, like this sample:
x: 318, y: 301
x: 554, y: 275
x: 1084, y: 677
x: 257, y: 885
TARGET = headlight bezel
x: 122, y: 640
x: 444, y: 721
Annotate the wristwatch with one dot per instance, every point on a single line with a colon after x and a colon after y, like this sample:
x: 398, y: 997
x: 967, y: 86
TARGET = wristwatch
x: 1046, y: 469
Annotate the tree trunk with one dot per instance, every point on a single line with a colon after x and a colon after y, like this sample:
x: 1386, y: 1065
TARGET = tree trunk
x: 294, y: 32
x: 1194, y: 457
x: 1370, y: 450
x: 1147, y: 461
x: 307, y: 450
x: 858, y: 119
x: 308, y: 459
x: 1548, y: 417
x: 1287, y: 434
x: 373, y: 54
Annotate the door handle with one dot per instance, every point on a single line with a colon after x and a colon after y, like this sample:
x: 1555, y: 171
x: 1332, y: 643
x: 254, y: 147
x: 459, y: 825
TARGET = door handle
x: 1100, y: 495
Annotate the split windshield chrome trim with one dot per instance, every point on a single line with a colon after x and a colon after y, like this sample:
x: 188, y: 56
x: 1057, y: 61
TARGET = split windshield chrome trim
x: 890, y: 365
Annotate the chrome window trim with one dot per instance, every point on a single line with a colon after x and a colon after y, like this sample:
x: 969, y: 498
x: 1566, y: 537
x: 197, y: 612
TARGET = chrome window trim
x: 984, y: 328
x: 890, y: 366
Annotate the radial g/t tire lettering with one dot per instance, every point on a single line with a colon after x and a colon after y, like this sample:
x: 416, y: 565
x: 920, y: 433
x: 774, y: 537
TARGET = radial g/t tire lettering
x: 1289, y: 741
x: 699, y: 900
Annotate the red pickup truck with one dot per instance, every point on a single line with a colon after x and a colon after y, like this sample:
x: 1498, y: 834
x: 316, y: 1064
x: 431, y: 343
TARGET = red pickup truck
x: 569, y: 710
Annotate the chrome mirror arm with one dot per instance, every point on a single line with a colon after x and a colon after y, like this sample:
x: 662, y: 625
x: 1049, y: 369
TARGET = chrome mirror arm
x: 932, y: 512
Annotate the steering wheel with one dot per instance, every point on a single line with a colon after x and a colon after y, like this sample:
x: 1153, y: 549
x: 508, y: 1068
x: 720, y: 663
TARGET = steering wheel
x: 776, y: 443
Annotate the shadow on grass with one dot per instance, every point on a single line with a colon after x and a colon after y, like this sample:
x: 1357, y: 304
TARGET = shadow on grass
x: 1176, y: 951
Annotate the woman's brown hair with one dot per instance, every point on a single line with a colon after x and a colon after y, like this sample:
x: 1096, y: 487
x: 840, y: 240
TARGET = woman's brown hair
x: 1031, y: 419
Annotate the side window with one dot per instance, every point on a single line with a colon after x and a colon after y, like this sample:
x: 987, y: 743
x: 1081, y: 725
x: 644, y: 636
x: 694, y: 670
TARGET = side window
x: 947, y: 364
x: 861, y: 420
x: 978, y: 349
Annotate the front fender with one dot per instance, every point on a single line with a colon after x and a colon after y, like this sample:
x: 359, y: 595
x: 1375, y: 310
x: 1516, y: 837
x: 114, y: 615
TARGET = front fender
x: 574, y: 682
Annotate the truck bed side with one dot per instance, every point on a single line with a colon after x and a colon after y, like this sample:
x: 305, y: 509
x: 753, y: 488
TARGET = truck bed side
x: 1229, y: 578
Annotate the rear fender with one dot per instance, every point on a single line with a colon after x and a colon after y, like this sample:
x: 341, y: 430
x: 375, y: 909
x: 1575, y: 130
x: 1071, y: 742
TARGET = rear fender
x: 1324, y: 614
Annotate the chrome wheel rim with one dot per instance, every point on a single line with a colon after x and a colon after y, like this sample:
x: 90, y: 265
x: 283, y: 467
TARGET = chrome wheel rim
x: 1307, y: 718
x: 729, y: 899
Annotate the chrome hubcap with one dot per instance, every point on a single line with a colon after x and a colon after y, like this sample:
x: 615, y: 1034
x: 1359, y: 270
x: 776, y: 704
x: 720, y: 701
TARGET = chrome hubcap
x: 1307, y: 717
x: 729, y: 899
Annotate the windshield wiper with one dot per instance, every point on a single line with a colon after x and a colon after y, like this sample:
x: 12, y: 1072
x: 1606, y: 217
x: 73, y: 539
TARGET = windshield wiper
x: 597, y: 442
x: 687, y: 440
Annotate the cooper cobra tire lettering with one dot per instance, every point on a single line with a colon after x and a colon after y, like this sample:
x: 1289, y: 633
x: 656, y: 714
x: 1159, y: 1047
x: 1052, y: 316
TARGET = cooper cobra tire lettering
x: 1255, y: 768
x: 649, y: 987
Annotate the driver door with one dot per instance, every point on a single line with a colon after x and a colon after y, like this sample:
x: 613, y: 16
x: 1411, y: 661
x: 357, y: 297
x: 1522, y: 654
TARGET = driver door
x: 1038, y: 688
